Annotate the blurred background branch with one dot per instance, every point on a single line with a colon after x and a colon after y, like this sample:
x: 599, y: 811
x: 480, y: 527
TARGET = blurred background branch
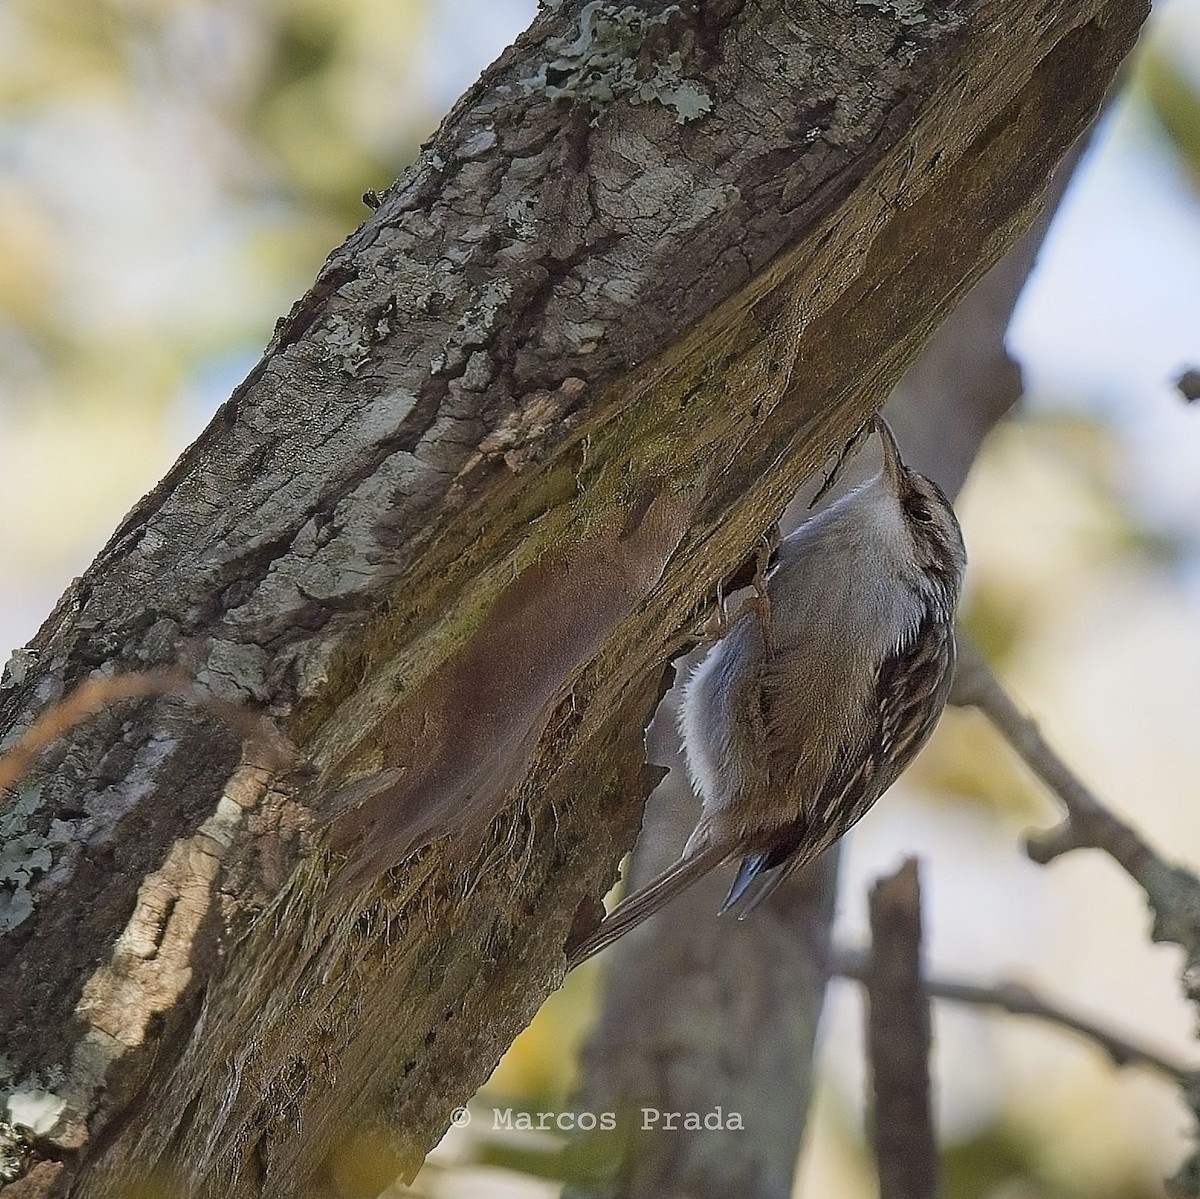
x: 1019, y: 1000
x: 898, y: 1041
x: 1172, y: 892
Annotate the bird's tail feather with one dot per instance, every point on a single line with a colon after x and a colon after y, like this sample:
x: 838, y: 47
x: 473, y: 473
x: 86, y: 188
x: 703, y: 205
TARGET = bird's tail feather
x: 642, y: 904
x: 754, y: 890
x: 758, y: 878
x: 747, y: 890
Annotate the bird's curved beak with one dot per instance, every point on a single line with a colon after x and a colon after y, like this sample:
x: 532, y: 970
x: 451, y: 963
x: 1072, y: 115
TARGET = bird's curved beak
x: 893, y: 465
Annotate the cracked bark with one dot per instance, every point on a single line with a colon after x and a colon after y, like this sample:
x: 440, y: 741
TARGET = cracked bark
x: 447, y: 534
x: 740, y: 1032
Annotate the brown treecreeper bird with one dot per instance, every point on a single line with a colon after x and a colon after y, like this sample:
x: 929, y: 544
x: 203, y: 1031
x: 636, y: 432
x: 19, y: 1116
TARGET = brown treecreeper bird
x: 811, y: 707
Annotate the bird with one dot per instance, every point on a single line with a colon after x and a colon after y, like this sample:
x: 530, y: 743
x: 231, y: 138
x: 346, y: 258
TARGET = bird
x: 820, y: 694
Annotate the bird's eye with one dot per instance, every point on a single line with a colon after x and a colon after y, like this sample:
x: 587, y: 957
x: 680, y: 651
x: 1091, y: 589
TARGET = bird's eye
x: 919, y: 511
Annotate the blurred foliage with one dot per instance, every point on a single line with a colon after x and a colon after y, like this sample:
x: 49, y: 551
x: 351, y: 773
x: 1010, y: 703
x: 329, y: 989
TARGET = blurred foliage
x: 1002, y: 1163
x: 172, y: 173
x: 242, y: 135
x: 578, y: 1158
x: 967, y: 762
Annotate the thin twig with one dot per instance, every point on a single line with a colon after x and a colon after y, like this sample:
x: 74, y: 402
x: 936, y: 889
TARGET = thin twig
x: 898, y: 1038
x: 95, y: 694
x: 1019, y: 1000
x: 1089, y: 823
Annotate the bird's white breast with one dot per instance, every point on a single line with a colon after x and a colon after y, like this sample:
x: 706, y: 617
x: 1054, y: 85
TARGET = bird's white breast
x: 842, y: 596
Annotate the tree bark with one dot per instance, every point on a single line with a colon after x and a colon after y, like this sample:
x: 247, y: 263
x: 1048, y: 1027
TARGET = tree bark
x: 652, y: 269
x: 742, y: 1033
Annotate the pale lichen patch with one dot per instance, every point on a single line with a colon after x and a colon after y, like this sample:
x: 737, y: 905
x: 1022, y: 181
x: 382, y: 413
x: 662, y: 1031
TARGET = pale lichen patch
x: 35, y: 1109
x: 479, y: 372
x: 481, y: 318
x: 342, y: 343
x: 601, y: 64
x: 907, y: 12
x: 26, y: 855
x: 13, y: 1150
x: 521, y: 218
x: 30, y: 1106
x: 476, y: 144
x: 18, y: 666
x: 584, y: 337
x: 668, y: 86
x: 916, y: 12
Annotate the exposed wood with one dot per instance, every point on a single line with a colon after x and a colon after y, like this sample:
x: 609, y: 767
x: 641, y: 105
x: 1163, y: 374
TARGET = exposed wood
x: 449, y: 532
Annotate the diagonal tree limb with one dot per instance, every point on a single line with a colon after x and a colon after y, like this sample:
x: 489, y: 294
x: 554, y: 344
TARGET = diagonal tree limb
x: 963, y: 382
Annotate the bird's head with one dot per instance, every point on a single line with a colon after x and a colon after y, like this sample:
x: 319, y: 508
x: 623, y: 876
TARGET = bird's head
x: 928, y: 517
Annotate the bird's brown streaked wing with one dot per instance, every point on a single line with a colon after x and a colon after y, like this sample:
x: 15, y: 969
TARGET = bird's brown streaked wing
x: 911, y: 688
x: 910, y: 692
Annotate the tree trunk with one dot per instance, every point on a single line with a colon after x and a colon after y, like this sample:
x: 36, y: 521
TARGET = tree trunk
x: 447, y: 535
x: 740, y: 1032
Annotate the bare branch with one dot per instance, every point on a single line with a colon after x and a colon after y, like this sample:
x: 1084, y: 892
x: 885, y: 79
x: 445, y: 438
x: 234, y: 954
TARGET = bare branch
x: 1020, y: 1000
x: 1089, y: 823
x: 899, y: 1036
x: 1172, y: 892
